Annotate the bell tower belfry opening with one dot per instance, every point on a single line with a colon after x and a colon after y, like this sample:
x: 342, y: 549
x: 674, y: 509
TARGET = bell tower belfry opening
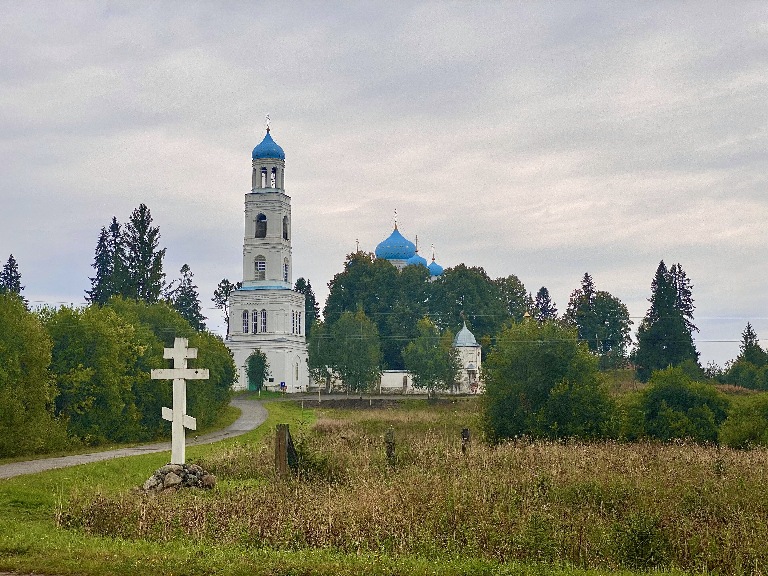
x: 272, y: 313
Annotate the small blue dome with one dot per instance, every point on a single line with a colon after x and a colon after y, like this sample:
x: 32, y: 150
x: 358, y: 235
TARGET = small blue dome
x: 435, y: 269
x: 416, y: 260
x: 268, y: 149
x: 396, y: 247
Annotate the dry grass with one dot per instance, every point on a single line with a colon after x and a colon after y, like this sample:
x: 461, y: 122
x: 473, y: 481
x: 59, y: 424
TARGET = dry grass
x: 600, y: 505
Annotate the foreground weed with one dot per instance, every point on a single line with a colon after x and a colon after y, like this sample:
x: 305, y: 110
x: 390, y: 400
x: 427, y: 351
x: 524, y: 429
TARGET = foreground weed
x: 596, y: 506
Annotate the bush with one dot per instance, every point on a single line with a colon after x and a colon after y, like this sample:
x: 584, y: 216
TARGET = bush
x: 27, y: 390
x: 674, y: 406
x: 541, y: 381
x: 747, y: 424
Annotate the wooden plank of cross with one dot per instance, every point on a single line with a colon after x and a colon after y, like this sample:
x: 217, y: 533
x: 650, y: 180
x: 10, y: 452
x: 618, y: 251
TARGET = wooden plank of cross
x: 178, y: 416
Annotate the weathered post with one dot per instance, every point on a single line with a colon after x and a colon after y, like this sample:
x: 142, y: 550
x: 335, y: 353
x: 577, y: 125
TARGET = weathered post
x: 179, y: 374
x: 389, y: 444
x: 465, y: 437
x: 286, y: 458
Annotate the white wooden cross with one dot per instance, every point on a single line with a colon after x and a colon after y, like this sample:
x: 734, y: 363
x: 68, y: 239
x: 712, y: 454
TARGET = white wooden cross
x: 179, y: 374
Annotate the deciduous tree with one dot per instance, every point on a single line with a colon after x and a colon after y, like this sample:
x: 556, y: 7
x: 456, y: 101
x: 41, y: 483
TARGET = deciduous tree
x: 221, y: 298
x: 357, y: 351
x: 257, y: 370
x: 541, y: 381
x: 431, y: 358
x: 27, y: 390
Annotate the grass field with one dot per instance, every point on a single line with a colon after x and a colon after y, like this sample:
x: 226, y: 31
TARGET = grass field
x: 520, y: 508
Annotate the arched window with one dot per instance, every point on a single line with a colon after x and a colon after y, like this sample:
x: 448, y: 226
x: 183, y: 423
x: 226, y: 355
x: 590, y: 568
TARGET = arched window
x: 285, y: 227
x: 260, y: 267
x: 254, y: 320
x: 273, y: 179
x: 245, y: 321
x: 298, y: 323
x: 263, y: 325
x: 263, y: 177
x: 261, y: 226
x: 285, y: 270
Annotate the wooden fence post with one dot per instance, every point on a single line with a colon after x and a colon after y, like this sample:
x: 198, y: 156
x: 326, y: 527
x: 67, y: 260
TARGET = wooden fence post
x: 465, y: 437
x: 286, y: 458
x: 389, y: 443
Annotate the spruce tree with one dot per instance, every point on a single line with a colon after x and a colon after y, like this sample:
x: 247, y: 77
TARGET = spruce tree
x: 10, y: 278
x: 144, y: 260
x: 544, y: 308
x: 580, y: 312
x: 101, y: 283
x: 185, y: 299
x: 664, y: 337
x: 750, y: 350
x: 311, y: 308
x: 109, y: 263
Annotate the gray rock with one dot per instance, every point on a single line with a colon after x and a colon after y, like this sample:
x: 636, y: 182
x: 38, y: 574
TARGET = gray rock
x: 171, y: 479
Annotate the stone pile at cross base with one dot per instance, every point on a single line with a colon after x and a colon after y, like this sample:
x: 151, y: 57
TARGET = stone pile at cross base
x: 173, y: 477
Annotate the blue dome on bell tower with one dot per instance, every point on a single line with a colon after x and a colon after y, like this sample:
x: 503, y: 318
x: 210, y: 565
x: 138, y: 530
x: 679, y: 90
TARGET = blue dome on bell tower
x: 268, y: 148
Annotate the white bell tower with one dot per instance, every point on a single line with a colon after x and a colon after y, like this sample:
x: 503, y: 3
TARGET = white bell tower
x: 266, y: 314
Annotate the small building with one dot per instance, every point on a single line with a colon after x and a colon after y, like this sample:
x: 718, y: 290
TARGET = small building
x: 470, y: 356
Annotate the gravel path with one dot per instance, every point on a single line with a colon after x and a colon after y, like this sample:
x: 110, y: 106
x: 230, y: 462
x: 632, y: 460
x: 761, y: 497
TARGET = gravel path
x: 253, y: 415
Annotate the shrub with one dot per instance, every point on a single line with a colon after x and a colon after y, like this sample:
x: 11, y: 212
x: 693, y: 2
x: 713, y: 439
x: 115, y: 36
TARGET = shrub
x: 674, y: 406
x: 747, y: 424
x: 27, y: 390
x: 541, y: 381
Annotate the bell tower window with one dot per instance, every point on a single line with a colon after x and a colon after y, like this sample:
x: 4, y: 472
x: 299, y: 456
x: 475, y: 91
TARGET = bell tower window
x: 285, y: 227
x: 273, y: 179
x: 263, y: 178
x: 260, y: 268
x: 261, y: 226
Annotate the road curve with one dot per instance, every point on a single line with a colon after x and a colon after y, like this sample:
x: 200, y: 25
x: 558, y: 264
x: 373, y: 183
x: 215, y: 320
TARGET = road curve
x: 253, y: 415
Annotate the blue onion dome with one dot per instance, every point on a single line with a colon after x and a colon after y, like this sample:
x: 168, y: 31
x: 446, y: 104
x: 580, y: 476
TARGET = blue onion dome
x: 268, y: 149
x: 416, y: 260
x: 396, y: 247
x: 435, y: 269
x: 465, y: 338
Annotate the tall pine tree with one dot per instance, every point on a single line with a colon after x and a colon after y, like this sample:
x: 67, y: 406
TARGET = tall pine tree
x: 10, y: 278
x: 184, y: 298
x: 144, y: 260
x: 543, y: 308
x: 311, y: 308
x: 664, y: 337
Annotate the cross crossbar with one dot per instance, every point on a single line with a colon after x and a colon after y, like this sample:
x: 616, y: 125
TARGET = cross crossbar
x: 186, y: 373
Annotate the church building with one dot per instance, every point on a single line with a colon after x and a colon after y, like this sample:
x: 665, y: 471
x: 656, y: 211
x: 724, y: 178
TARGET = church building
x: 266, y: 313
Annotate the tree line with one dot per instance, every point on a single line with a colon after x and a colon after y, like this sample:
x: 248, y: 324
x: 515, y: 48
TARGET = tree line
x: 81, y: 375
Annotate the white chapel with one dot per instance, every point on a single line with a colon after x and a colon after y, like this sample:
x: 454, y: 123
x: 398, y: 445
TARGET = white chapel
x: 266, y: 313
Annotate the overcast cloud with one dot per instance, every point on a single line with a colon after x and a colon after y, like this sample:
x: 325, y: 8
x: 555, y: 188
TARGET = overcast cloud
x: 542, y: 139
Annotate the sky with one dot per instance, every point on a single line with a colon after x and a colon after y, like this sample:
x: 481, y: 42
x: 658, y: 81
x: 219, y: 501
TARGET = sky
x: 541, y: 139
